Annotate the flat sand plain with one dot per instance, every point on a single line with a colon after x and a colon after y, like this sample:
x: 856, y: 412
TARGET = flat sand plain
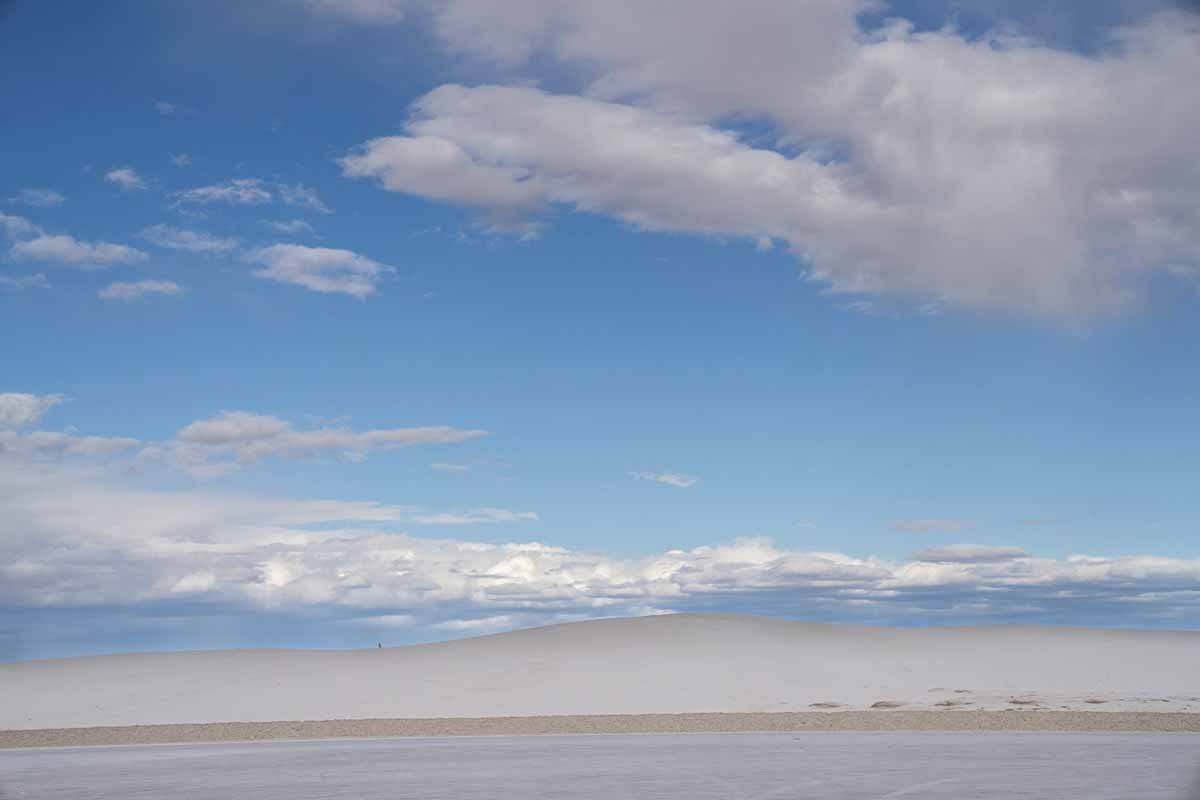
x: 873, y: 720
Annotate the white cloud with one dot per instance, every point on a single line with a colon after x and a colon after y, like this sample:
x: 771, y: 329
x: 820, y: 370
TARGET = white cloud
x: 321, y: 269
x: 181, y: 239
x: 386, y: 621
x: 69, y: 250
x: 442, y: 466
x: 477, y: 517
x: 223, y: 443
x: 233, y: 427
x: 15, y: 227
x: 125, y: 177
x: 987, y: 173
x: 302, y: 196
x: 675, y: 479
x: 495, y: 622
x: 931, y: 525
x: 56, y: 444
x: 19, y: 409
x: 970, y: 553
x: 368, y: 12
x: 138, y: 290
x: 70, y: 540
x: 180, y: 159
x: 39, y: 198
x: 164, y: 108
x: 290, y: 226
x: 17, y: 282
x: 441, y: 169
x: 236, y: 192
x: 31, y: 243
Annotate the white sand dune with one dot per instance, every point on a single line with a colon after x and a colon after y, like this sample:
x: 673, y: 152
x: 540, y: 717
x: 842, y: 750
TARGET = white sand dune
x: 667, y: 664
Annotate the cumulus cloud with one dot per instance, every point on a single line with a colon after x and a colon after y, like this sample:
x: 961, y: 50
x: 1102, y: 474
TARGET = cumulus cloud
x: 126, y: 178
x: 970, y: 554
x: 129, y: 291
x: 931, y: 525
x: 67, y: 540
x: 65, y: 249
x: 31, y: 243
x: 236, y: 192
x: 321, y: 269
x: 442, y: 169
x: 232, y: 439
x: 986, y: 172
x: 36, y: 280
x: 675, y: 479
x: 302, y: 196
x: 173, y: 238
x: 39, y: 198
x: 18, y: 409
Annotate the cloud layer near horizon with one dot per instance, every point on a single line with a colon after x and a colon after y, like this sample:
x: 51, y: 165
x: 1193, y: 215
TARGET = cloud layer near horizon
x: 72, y: 539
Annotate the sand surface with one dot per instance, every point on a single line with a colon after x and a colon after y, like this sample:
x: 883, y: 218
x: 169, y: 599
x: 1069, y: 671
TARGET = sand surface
x: 996, y: 721
x: 684, y: 664
x: 830, y: 766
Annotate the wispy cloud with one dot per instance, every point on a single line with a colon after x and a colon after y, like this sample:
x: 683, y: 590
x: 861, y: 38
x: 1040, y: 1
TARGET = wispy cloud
x: 231, y: 440
x: 164, y: 108
x: 15, y: 227
x: 289, y: 226
x: 364, y: 12
x: 676, y: 479
x: 236, y: 192
x: 130, y: 291
x: 180, y: 159
x: 173, y: 238
x: 442, y: 466
x: 479, y: 516
x: 301, y: 196
x: 39, y: 198
x: 931, y: 525
x: 970, y: 554
x: 19, y: 411
x: 18, y: 282
x: 127, y: 178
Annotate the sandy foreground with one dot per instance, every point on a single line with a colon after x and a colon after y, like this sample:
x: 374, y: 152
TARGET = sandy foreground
x: 877, y: 720
x: 668, y: 673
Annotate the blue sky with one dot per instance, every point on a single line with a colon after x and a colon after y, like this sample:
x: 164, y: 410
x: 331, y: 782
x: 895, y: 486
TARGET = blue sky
x: 824, y: 334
